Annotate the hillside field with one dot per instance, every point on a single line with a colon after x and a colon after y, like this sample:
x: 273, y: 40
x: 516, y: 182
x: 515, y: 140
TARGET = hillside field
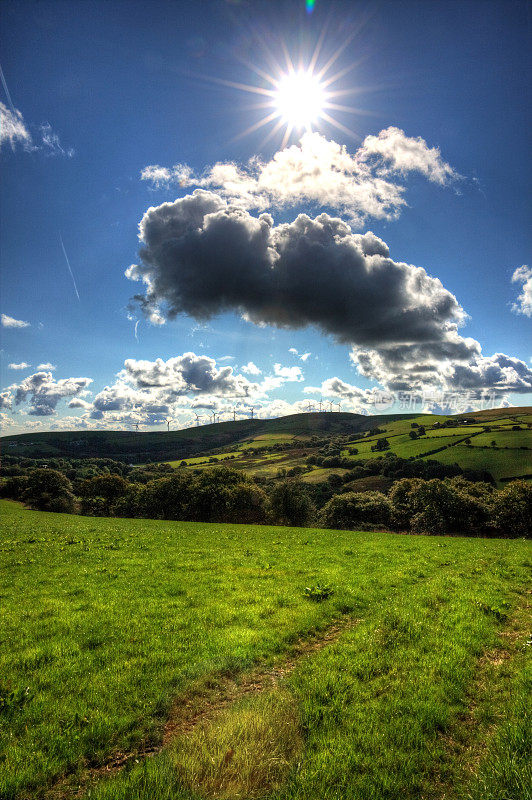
x: 151, y: 660
x: 510, y: 456
x: 263, y: 447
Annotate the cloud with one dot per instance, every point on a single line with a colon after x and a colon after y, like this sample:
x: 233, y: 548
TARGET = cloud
x: 52, y: 144
x: 301, y: 356
x: 523, y: 304
x: 251, y: 369
x: 321, y: 173
x: 188, y: 373
x: 200, y: 256
x: 13, y: 130
x: 153, y: 389
x: 47, y: 367
x: 499, y: 372
x: 288, y: 373
x: 11, y: 322
x: 78, y: 402
x: 22, y: 365
x: 44, y: 392
x: 393, y: 152
x: 6, y: 399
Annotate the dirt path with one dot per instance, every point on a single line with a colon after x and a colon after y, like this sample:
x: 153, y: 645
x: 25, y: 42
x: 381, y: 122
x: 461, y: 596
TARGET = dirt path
x: 199, y: 704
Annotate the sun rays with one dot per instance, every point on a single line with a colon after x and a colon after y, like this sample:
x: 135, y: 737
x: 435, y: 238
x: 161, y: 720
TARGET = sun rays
x: 297, y: 95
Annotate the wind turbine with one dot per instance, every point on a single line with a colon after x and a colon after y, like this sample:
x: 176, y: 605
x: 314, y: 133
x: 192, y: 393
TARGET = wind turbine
x: 252, y: 410
x: 198, y: 417
x: 330, y: 405
x: 168, y: 425
x: 234, y: 414
x: 339, y: 406
x: 310, y: 407
x: 137, y: 426
x: 320, y: 403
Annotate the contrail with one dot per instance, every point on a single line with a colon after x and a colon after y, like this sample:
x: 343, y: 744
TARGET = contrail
x: 6, y: 90
x: 68, y: 265
x: 136, y: 326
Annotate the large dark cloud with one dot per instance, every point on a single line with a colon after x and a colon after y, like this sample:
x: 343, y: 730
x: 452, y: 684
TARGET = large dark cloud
x: 201, y: 257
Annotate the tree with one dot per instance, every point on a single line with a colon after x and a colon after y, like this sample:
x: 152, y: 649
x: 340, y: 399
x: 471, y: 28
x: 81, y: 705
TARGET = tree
x: 99, y: 494
x: 49, y: 490
x: 382, y: 444
x: 14, y: 487
x: 512, y: 509
x: 291, y: 504
x: 354, y: 509
x: 413, y: 435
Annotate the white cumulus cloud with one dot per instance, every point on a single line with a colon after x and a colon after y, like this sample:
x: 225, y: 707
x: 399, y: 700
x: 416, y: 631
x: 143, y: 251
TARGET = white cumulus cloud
x: 11, y: 322
x: 523, y: 304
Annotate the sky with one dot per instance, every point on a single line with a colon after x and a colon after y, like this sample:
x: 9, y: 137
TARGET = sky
x: 241, y: 207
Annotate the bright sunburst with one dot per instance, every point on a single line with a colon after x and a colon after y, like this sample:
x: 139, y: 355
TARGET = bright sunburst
x: 298, y: 98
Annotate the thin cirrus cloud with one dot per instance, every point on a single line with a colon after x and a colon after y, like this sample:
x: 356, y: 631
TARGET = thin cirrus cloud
x: 21, y: 366
x: 322, y: 173
x: 15, y: 133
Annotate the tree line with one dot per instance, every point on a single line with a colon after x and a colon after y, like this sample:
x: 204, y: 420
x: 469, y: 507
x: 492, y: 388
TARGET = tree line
x: 429, y: 498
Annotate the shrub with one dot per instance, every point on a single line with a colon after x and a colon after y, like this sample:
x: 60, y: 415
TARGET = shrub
x: 512, y: 509
x: 49, y: 490
x: 440, y: 506
x: 318, y: 593
x: 352, y: 509
x: 291, y: 504
x: 13, y: 487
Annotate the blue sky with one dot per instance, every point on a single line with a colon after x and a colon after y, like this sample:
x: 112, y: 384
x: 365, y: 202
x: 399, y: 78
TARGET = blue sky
x: 102, y: 91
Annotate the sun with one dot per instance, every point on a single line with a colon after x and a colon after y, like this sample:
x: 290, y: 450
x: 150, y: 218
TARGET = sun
x: 297, y: 95
x: 300, y: 99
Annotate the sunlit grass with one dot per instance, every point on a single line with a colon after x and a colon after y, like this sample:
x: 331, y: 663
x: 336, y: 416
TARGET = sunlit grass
x: 106, y: 621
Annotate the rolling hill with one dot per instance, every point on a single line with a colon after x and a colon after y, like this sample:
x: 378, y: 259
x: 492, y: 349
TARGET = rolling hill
x: 498, y: 441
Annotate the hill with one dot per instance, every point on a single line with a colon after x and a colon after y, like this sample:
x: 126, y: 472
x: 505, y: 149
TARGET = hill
x: 161, y: 445
x: 498, y: 441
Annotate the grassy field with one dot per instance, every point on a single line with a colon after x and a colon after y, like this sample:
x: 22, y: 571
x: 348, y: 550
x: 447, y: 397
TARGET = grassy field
x: 109, y: 626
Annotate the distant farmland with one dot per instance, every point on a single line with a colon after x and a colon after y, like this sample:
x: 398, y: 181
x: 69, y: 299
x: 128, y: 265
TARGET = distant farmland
x: 262, y: 447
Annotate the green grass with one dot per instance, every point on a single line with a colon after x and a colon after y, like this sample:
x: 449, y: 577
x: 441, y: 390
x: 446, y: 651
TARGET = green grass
x: 501, y: 463
x: 105, y: 621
